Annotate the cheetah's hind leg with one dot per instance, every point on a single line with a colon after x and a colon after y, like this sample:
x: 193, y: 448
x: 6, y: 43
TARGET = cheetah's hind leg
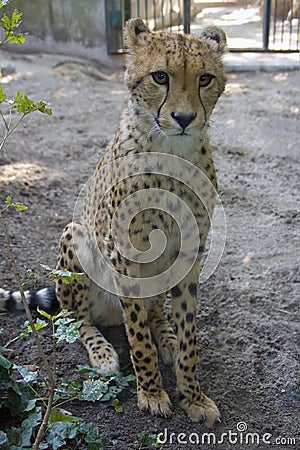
x: 75, y: 297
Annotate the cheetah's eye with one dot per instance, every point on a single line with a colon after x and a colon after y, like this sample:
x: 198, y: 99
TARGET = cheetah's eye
x: 205, y: 79
x: 160, y: 77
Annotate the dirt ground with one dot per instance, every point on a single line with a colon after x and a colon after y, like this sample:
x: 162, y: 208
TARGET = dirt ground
x: 249, y: 310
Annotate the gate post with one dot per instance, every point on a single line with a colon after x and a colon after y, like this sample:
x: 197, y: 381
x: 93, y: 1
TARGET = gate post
x: 266, y: 23
x: 117, y: 12
x: 186, y: 16
x: 127, y: 10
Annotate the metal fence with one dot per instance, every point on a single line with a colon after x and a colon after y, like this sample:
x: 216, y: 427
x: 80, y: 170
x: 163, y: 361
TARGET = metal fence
x: 277, y: 21
x: 281, y: 25
x: 159, y: 15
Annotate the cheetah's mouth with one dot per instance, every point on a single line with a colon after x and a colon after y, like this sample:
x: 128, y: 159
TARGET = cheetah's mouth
x: 181, y: 133
x: 159, y: 127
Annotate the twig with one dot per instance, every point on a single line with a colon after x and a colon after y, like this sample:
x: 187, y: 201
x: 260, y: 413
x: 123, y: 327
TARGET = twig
x: 9, y: 130
x: 11, y: 341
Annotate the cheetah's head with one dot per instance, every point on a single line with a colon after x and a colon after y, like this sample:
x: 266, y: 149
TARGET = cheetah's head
x: 174, y: 80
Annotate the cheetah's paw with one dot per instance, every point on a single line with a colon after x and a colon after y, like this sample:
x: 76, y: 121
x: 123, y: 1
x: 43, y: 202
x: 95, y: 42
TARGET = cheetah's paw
x: 168, y: 351
x: 107, y: 362
x: 157, y: 404
x: 203, y: 409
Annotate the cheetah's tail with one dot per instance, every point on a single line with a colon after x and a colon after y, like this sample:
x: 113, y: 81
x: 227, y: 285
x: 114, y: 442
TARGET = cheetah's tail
x: 44, y: 298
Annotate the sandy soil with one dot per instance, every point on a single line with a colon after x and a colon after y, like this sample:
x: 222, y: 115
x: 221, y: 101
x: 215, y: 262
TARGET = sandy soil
x: 249, y: 310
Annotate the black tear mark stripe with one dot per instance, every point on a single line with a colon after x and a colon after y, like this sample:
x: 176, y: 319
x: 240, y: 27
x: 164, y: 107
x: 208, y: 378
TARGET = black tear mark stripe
x: 162, y: 104
x: 205, y: 115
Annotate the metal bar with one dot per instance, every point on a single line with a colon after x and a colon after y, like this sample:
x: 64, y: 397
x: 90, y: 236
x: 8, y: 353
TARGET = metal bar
x: 282, y: 21
x: 291, y: 23
x: 266, y: 23
x: 187, y: 16
x: 154, y: 12
x: 298, y: 29
x: 260, y: 50
x: 127, y: 9
x: 274, y: 21
x: 138, y: 9
x: 180, y: 15
x: 113, y: 25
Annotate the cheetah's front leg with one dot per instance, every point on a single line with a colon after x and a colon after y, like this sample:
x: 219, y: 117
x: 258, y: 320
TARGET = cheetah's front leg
x: 151, y: 395
x: 196, y: 405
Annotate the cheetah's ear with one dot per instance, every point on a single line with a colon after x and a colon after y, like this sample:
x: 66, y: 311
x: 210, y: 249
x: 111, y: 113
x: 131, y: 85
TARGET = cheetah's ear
x: 215, y: 37
x: 134, y: 30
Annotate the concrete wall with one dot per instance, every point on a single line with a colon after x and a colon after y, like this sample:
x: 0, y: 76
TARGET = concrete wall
x: 75, y: 27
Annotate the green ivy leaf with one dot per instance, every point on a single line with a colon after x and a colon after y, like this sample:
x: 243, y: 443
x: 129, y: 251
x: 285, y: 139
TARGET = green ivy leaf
x: 44, y: 313
x: 16, y: 19
x: 65, y: 275
x: 17, y: 205
x: 94, y: 390
x: 86, y: 369
x: 58, y: 417
x: 67, y: 329
x: 147, y: 439
x: 15, y: 38
x: 105, y: 390
x: 28, y: 375
x: 8, y: 201
x: 20, y: 207
x: 117, y: 406
x: 93, y: 435
x: 55, y: 436
x: 24, y: 105
x: 2, y: 94
x: 3, y: 438
x: 28, y: 426
x: 20, y: 438
x: 6, y: 22
x: 31, y: 404
x: 38, y: 325
x: 5, y: 363
x: 11, y: 23
x: 60, y: 432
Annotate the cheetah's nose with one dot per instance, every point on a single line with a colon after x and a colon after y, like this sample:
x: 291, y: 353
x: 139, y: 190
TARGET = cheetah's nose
x: 183, y: 119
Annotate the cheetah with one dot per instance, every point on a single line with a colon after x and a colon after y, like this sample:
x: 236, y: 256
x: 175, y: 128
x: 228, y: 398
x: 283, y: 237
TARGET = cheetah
x: 174, y: 82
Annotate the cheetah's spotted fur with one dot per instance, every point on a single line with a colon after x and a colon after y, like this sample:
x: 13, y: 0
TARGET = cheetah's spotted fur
x: 174, y: 82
